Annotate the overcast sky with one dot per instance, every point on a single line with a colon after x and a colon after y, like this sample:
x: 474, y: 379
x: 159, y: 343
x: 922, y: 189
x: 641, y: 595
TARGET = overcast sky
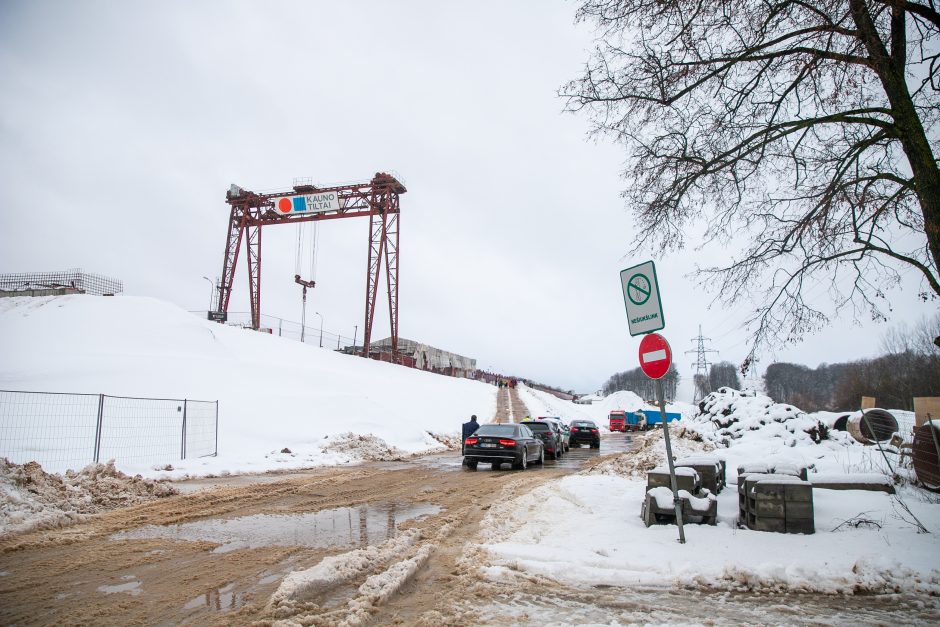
x: 122, y: 124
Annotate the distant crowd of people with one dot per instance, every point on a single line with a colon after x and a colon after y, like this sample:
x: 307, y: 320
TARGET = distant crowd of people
x: 499, y: 380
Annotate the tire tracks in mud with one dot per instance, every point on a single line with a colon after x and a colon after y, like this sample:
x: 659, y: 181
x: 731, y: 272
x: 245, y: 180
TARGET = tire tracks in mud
x: 51, y: 574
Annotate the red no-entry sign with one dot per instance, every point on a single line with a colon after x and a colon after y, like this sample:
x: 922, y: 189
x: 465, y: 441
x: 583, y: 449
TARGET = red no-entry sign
x: 655, y: 355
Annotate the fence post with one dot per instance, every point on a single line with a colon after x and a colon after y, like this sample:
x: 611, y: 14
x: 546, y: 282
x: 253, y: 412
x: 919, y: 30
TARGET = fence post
x: 183, y: 441
x: 98, y: 428
x: 216, y: 454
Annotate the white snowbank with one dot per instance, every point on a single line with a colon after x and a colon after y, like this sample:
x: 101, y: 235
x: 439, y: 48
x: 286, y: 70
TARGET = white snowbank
x: 586, y: 530
x: 273, y: 393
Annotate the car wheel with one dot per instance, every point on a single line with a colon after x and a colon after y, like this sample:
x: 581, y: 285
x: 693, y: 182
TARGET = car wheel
x: 523, y: 464
x: 556, y: 455
x: 470, y: 464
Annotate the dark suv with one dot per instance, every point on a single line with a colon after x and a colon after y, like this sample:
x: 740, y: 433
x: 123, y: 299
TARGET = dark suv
x: 549, y: 434
x: 585, y: 431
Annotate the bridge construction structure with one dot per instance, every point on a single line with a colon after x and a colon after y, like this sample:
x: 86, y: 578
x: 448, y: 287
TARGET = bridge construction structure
x: 377, y: 199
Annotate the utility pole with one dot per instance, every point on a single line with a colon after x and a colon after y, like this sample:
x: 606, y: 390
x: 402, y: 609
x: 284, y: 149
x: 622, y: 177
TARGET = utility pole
x: 701, y: 365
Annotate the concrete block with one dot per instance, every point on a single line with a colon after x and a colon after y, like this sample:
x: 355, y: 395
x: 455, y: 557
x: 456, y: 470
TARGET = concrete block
x: 798, y: 510
x: 768, y: 490
x: 800, y: 492
x: 778, y: 525
x: 772, y: 509
x: 801, y: 526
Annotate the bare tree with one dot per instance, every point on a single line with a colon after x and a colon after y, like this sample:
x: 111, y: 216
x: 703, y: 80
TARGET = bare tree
x: 808, y: 127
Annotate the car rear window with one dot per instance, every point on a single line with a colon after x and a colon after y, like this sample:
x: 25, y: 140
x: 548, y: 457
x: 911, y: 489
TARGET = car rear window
x: 497, y: 430
x: 583, y: 423
x: 538, y: 426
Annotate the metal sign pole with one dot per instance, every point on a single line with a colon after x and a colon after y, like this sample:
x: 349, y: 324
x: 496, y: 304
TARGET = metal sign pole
x: 672, y: 469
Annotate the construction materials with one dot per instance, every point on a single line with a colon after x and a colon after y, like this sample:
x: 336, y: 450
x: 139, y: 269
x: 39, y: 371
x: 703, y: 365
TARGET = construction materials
x: 925, y: 453
x: 658, y: 507
x: 710, y: 469
x: 781, y: 504
x: 686, y: 479
x: 870, y: 482
x: 872, y: 425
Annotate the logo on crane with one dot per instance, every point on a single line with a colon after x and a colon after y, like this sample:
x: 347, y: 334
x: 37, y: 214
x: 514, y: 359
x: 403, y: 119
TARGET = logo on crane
x: 309, y: 203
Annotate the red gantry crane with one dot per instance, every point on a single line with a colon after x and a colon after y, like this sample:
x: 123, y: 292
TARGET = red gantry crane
x: 377, y: 200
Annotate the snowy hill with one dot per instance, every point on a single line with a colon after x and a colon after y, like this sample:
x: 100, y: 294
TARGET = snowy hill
x: 273, y: 393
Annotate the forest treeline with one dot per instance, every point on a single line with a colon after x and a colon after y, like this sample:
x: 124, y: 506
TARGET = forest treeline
x: 641, y: 385
x: 908, y: 367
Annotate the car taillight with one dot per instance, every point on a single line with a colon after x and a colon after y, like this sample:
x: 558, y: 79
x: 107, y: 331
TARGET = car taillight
x: 511, y: 443
x: 593, y: 430
x: 574, y: 429
x: 471, y: 441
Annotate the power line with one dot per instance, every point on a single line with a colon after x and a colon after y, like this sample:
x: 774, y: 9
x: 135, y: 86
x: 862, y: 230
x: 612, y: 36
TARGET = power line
x: 701, y: 364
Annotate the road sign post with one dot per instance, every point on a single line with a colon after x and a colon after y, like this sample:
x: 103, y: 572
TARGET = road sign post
x: 655, y: 359
x: 641, y: 297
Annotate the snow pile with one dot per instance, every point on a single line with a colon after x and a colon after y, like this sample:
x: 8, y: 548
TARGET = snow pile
x: 585, y: 530
x: 364, y: 447
x: 33, y: 499
x: 338, y: 569
x: 727, y: 415
x: 648, y: 452
x: 377, y: 589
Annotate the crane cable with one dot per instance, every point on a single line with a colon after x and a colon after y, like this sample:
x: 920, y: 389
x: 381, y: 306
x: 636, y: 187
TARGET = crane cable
x: 306, y: 250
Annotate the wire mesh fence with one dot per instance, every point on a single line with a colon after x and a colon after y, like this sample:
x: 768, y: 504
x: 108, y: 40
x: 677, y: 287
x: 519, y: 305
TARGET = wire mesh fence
x: 294, y: 330
x: 75, y: 279
x: 69, y: 431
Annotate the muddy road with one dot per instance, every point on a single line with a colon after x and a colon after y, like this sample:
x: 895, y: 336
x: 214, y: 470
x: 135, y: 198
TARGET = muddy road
x: 216, y: 553
x: 384, y: 543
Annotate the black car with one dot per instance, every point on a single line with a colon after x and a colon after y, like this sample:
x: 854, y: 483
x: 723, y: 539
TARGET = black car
x: 585, y: 431
x: 499, y: 444
x: 549, y: 434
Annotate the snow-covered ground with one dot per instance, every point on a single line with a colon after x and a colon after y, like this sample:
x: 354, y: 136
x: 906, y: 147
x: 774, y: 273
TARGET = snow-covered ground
x: 274, y: 394
x: 586, y: 529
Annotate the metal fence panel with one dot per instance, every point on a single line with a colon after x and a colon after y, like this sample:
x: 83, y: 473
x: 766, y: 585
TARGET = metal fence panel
x: 141, y: 429
x: 69, y: 431
x: 201, y: 428
x: 56, y: 430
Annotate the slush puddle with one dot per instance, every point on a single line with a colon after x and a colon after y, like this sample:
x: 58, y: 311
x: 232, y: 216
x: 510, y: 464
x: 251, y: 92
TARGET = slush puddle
x: 358, y: 526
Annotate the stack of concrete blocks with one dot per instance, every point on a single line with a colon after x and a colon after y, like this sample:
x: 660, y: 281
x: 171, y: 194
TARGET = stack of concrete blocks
x: 698, y: 504
x: 775, y: 498
x: 710, y: 469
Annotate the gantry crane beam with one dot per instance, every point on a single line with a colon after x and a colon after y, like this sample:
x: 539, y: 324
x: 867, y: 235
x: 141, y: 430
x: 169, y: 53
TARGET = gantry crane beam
x: 378, y: 200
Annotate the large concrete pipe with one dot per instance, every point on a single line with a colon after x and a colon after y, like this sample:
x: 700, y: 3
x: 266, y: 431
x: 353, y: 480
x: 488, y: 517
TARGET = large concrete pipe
x: 872, y: 425
x: 926, y: 454
x: 841, y: 421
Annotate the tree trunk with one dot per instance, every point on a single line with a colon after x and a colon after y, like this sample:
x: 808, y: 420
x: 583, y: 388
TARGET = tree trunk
x: 907, y: 123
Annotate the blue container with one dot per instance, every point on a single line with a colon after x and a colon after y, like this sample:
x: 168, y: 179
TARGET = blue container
x: 653, y: 417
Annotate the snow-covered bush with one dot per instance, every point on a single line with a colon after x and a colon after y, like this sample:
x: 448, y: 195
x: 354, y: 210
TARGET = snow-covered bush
x: 727, y: 415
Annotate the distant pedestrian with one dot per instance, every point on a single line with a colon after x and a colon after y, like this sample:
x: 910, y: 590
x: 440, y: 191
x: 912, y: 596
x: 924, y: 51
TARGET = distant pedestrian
x: 469, y: 428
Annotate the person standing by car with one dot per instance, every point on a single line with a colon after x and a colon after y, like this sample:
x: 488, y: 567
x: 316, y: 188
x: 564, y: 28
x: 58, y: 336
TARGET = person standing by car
x: 469, y: 428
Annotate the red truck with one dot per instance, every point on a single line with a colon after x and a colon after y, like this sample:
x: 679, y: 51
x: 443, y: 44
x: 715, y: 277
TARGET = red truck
x: 618, y: 420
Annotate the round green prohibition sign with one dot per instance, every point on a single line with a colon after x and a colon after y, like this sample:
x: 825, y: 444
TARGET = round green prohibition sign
x: 638, y: 289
